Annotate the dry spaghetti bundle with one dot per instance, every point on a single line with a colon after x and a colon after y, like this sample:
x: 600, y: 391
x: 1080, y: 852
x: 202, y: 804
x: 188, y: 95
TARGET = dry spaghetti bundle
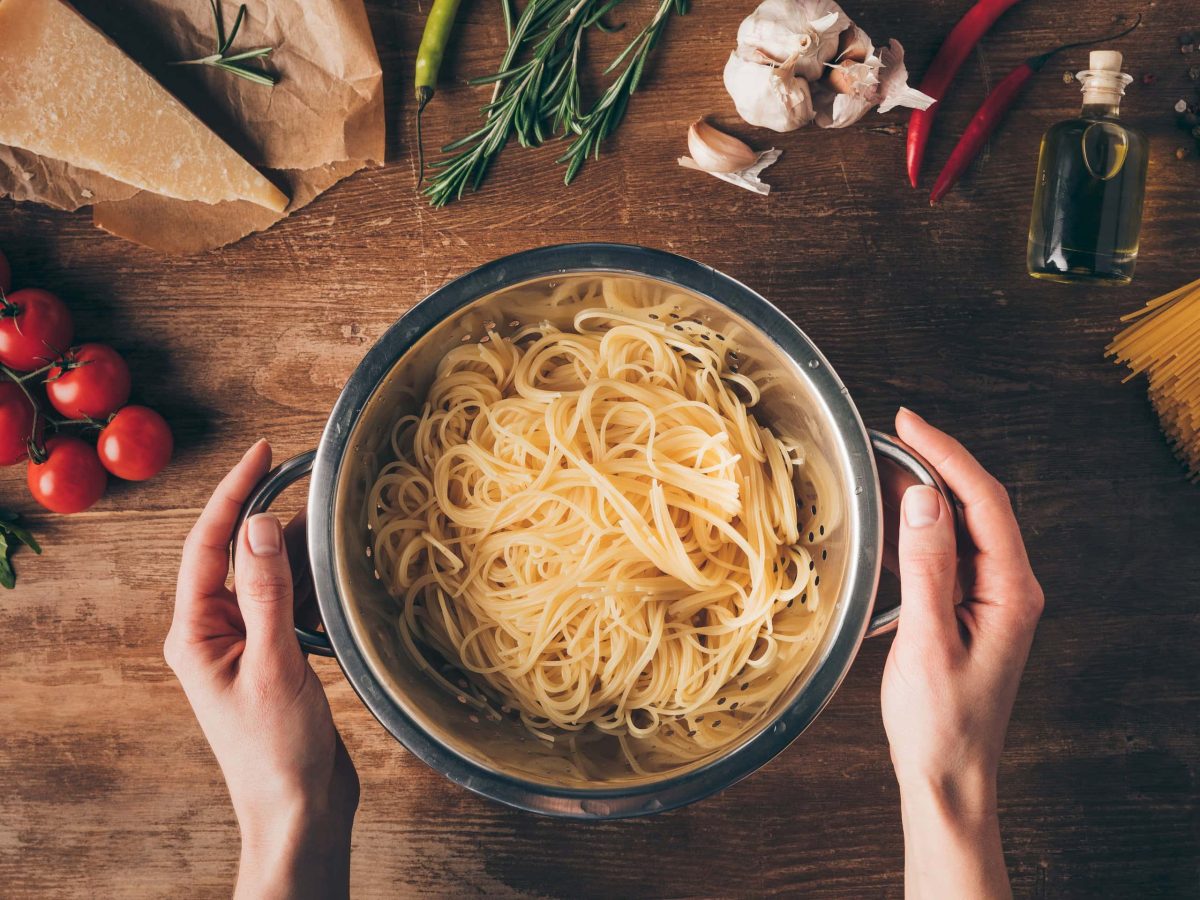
x: 1164, y: 342
x: 593, y: 527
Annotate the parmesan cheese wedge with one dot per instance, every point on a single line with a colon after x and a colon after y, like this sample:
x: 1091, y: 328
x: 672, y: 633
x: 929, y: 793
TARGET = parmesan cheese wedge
x: 69, y: 93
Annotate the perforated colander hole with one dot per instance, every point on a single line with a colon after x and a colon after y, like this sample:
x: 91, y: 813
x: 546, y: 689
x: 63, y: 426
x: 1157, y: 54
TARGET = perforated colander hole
x: 674, y: 315
x: 824, y: 554
x: 465, y: 339
x: 719, y: 336
x: 720, y: 701
x: 474, y: 718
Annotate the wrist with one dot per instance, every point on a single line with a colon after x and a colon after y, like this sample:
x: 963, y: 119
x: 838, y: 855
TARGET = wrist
x: 302, y: 849
x: 961, y: 797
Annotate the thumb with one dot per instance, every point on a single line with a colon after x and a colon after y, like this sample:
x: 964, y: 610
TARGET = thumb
x: 263, y: 579
x: 928, y: 568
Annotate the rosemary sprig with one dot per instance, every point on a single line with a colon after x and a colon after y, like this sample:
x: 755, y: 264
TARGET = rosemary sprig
x: 608, y: 111
x: 232, y: 63
x: 540, y: 96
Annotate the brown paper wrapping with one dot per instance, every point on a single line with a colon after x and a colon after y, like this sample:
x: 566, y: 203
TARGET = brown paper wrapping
x: 322, y: 122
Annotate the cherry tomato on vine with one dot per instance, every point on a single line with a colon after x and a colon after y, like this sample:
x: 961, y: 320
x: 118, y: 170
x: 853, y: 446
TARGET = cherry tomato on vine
x: 16, y: 423
x: 70, y: 479
x: 35, y: 327
x: 90, y: 381
x: 136, y: 444
x: 5, y: 274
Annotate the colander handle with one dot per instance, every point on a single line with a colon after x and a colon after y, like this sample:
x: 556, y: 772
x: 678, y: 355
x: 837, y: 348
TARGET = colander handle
x: 276, y: 481
x: 894, y: 449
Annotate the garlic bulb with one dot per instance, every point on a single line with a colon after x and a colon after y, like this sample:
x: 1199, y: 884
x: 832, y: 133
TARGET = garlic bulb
x: 803, y: 60
x: 768, y: 96
x: 807, y: 30
x: 716, y: 151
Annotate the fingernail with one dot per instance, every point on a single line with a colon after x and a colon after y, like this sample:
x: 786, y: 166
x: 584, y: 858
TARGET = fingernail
x: 922, y: 507
x: 265, y: 535
x: 254, y: 447
x: 908, y: 412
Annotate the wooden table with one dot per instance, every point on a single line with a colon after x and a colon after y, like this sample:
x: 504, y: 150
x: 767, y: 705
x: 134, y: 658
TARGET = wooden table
x: 109, y: 788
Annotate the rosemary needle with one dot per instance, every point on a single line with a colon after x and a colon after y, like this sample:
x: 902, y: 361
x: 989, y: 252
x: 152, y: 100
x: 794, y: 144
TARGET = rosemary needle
x: 538, y: 92
x: 232, y: 63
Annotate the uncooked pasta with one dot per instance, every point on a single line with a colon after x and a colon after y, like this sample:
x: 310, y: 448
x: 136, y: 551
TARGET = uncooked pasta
x: 591, y: 525
x: 1164, y: 342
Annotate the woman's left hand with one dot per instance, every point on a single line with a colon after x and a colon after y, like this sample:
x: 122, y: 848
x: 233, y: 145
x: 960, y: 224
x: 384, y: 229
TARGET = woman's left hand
x: 259, y: 703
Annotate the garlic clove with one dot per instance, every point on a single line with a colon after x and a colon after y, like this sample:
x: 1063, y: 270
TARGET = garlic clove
x: 855, y: 44
x: 715, y: 151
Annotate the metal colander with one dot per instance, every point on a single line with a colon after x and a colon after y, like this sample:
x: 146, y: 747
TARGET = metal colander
x: 460, y: 731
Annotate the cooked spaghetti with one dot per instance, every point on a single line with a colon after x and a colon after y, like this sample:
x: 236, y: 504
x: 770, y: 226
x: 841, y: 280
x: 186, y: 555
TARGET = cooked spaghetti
x: 1164, y: 342
x: 592, y: 526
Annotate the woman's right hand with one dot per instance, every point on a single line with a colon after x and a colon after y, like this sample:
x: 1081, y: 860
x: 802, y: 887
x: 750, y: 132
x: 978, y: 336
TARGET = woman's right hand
x: 952, y: 674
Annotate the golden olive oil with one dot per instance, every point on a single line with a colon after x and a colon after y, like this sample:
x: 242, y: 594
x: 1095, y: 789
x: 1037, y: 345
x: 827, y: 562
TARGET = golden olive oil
x: 1091, y: 180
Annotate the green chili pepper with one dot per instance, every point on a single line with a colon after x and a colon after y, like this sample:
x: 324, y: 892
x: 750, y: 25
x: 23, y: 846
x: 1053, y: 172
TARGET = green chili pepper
x: 438, y: 25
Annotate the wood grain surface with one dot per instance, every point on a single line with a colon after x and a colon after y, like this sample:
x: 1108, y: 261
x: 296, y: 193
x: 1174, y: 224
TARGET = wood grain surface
x: 109, y: 789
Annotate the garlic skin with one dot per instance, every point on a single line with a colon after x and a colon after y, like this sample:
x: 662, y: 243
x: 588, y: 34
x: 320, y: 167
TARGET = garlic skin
x: 744, y: 178
x: 768, y: 96
x: 807, y: 30
x: 893, y: 82
x: 715, y: 151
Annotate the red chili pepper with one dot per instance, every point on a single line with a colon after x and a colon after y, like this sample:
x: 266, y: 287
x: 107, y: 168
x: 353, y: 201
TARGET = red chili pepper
x: 953, y: 53
x: 985, y: 120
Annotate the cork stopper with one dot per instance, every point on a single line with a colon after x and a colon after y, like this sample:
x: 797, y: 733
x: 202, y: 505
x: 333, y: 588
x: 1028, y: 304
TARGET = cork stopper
x: 1105, y: 61
x: 1103, y: 81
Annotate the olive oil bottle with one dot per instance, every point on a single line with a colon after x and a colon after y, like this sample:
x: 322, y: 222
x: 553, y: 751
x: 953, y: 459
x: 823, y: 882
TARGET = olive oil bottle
x: 1091, y: 179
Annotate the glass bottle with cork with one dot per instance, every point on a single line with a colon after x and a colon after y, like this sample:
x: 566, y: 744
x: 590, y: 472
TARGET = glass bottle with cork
x: 1091, y: 179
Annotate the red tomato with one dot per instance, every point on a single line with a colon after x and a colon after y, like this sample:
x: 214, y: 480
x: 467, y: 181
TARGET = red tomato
x: 136, y: 444
x: 71, y: 479
x: 35, y: 327
x: 5, y: 274
x: 16, y: 423
x: 91, y: 381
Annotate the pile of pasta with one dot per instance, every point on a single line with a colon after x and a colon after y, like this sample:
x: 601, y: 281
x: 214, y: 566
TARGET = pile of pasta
x: 1164, y: 342
x: 593, y: 527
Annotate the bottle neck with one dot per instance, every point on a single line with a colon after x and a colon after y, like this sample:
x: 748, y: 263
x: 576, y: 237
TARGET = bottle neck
x: 1100, y: 110
x: 1102, y: 91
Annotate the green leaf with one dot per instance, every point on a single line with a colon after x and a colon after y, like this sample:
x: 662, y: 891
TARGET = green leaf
x: 12, y: 535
